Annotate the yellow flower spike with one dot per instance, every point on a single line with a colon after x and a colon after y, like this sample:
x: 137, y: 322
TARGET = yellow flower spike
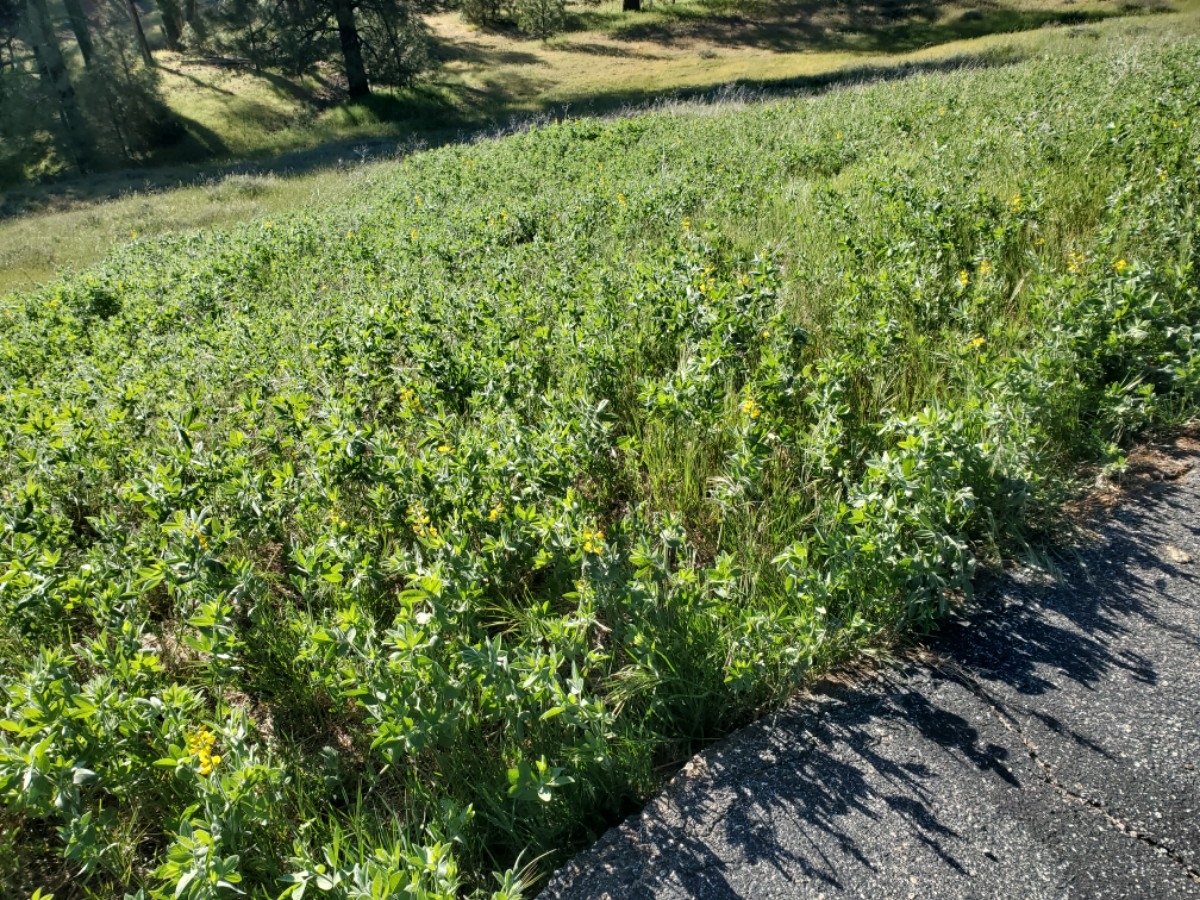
x: 1120, y: 265
x: 985, y: 267
x: 686, y: 223
x: 963, y: 278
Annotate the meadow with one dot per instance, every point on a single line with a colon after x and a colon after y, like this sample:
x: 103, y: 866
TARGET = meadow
x: 398, y: 547
x: 256, y: 143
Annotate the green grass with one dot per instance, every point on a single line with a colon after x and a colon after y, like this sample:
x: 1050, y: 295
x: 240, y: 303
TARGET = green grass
x: 608, y: 61
x: 452, y: 514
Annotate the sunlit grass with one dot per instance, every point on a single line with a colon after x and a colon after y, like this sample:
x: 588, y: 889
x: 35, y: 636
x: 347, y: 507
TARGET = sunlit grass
x: 604, y: 64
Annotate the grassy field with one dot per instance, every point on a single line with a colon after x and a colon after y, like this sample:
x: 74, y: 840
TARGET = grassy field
x: 607, y: 62
x: 370, y: 549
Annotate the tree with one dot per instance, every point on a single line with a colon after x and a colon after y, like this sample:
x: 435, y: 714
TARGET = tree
x: 143, y: 45
x: 376, y: 41
x: 79, y: 25
x: 52, y: 68
x: 53, y: 116
x: 172, y: 22
x: 541, y: 18
x: 484, y: 12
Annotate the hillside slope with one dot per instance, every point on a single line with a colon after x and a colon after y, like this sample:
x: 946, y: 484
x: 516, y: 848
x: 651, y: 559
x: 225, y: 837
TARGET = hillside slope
x: 404, y: 545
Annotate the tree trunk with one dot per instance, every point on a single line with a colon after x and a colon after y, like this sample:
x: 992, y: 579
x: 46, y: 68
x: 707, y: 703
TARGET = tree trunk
x: 79, y: 25
x: 192, y: 16
x: 172, y: 20
x: 356, y: 72
x: 53, y: 70
x: 631, y: 5
x: 143, y: 44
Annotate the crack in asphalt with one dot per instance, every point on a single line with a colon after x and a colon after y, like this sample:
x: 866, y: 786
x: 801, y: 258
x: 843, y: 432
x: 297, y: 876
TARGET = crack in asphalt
x: 962, y: 676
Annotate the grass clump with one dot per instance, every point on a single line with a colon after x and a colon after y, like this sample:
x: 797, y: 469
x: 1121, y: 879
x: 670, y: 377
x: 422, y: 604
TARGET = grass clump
x: 368, y: 555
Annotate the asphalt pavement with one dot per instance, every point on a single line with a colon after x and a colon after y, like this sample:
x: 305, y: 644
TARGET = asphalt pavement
x: 1044, y: 745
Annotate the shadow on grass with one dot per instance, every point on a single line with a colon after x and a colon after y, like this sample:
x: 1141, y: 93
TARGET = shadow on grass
x: 198, y: 82
x: 434, y: 116
x: 819, y: 26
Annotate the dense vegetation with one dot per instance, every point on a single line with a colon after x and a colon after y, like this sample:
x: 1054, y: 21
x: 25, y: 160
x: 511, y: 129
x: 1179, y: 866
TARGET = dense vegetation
x: 364, y: 557
x: 112, y: 84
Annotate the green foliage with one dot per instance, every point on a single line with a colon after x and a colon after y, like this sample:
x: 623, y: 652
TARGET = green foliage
x: 540, y: 18
x: 353, y: 557
x: 122, y: 112
x: 298, y: 38
x: 484, y: 12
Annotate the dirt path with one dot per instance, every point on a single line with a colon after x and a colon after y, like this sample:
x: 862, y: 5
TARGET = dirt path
x: 1047, y: 745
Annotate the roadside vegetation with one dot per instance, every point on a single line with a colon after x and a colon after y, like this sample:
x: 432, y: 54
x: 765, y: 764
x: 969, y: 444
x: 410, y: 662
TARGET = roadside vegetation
x: 375, y: 549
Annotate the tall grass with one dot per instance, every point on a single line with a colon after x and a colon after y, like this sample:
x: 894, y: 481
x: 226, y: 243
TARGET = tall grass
x: 379, y: 551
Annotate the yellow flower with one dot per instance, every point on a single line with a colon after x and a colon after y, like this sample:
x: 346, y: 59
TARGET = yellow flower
x: 751, y: 408
x: 1120, y: 265
x: 985, y: 267
x: 496, y: 512
x: 963, y: 277
x: 978, y: 342
x: 593, y: 541
x: 687, y: 224
x: 621, y: 199
x: 1015, y: 203
x: 1074, y: 262
x: 200, y: 745
x: 413, y: 234
x: 417, y: 200
x: 445, y: 448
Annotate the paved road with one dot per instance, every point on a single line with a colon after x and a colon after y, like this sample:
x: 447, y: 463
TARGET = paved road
x: 1047, y: 746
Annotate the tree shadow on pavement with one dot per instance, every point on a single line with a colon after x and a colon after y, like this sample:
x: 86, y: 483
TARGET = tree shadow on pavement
x: 796, y: 792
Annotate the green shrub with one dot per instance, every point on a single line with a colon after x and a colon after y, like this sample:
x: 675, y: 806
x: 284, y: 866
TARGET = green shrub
x: 540, y: 18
